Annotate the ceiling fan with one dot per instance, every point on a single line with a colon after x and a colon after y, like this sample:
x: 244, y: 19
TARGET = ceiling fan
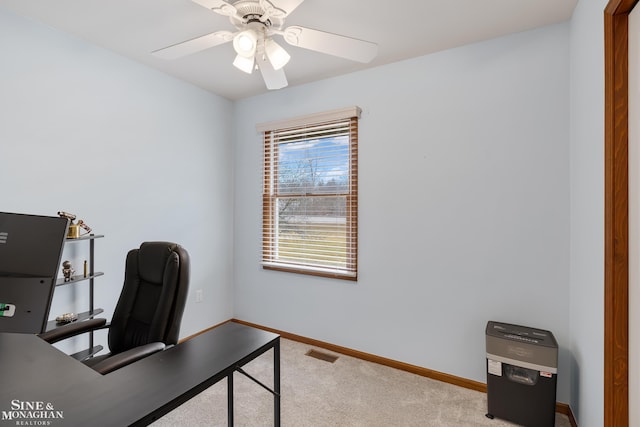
x: 256, y: 22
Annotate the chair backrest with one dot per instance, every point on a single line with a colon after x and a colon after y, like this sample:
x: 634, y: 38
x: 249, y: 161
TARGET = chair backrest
x: 153, y: 297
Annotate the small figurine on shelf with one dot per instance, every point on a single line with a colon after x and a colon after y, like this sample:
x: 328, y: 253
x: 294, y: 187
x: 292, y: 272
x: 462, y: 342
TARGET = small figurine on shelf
x: 66, y: 318
x: 84, y: 225
x: 74, y: 229
x: 67, y: 271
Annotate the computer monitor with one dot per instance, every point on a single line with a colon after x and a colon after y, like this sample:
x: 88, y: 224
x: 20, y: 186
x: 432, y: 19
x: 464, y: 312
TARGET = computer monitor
x: 30, y: 252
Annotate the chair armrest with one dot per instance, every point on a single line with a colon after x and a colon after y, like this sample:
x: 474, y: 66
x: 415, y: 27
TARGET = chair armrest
x: 117, y: 361
x: 72, y: 329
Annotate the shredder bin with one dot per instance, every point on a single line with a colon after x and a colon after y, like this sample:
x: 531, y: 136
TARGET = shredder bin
x: 522, y: 374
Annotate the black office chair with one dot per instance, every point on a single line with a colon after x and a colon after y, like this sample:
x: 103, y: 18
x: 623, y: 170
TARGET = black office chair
x: 149, y: 311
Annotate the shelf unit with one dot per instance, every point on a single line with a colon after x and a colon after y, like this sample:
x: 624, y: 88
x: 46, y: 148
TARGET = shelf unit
x: 79, y: 278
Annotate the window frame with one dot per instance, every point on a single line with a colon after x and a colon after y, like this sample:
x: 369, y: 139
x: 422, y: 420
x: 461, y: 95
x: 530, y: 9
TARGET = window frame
x: 270, y: 194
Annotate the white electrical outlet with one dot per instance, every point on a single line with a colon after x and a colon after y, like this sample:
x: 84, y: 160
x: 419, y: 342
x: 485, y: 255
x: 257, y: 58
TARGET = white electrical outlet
x: 199, y: 295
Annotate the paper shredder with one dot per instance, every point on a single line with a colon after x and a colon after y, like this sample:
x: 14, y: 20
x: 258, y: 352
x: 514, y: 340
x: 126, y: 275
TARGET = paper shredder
x: 522, y: 374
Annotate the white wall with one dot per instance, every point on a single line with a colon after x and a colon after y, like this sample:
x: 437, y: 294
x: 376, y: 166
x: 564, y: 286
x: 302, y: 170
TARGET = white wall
x: 634, y: 215
x: 587, y: 212
x: 136, y: 154
x: 464, y: 206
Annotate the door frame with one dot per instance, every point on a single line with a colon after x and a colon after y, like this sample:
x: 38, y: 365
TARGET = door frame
x: 616, y: 213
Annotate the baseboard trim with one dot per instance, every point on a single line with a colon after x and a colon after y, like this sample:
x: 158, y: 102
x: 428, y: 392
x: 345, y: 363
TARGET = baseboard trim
x: 561, y: 408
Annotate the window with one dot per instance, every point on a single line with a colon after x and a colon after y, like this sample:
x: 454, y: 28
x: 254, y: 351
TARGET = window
x: 310, y: 194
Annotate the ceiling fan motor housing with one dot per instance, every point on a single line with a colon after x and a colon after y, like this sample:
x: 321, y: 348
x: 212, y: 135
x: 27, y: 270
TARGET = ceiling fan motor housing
x: 252, y: 11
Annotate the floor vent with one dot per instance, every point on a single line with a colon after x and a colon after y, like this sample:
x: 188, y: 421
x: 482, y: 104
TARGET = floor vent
x: 322, y: 356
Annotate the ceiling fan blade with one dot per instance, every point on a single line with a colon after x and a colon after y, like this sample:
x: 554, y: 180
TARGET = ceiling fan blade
x: 279, y: 8
x: 194, y: 45
x: 332, y: 44
x: 274, y: 79
x: 218, y: 6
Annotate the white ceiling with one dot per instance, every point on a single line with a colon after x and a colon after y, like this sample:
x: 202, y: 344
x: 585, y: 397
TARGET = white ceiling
x: 402, y: 30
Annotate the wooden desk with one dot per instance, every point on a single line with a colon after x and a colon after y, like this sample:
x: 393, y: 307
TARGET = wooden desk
x: 34, y: 376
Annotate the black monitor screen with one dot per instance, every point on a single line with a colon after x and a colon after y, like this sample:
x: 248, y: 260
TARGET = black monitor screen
x: 30, y: 252
x: 30, y: 244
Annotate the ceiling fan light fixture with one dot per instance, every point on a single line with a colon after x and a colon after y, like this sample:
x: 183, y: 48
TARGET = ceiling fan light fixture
x: 276, y: 54
x: 245, y: 43
x: 244, y: 63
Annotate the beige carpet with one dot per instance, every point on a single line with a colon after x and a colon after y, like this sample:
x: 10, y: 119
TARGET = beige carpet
x: 348, y: 392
